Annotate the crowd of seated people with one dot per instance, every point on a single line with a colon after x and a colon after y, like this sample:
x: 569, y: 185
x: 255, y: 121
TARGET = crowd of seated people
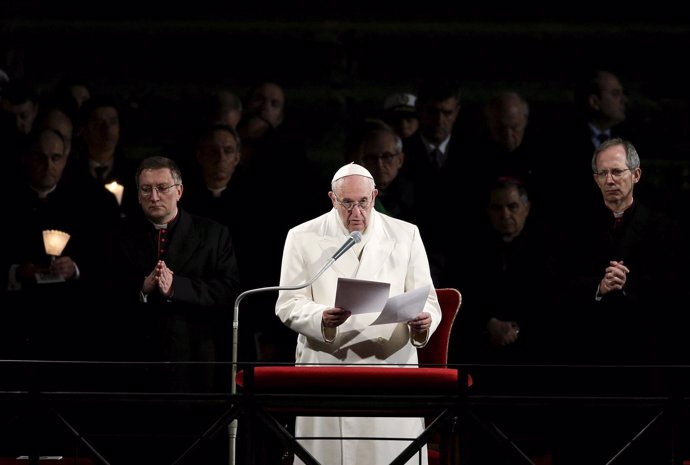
x: 242, y: 155
x: 518, y: 217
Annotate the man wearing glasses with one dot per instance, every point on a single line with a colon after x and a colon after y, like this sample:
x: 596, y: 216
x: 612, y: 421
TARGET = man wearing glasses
x: 169, y: 259
x: 619, y: 263
x: 620, y: 284
x: 381, y: 152
x: 390, y: 251
x: 176, y: 277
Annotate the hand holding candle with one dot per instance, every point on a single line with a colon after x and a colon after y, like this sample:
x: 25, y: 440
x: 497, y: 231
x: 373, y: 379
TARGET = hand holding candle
x: 55, y: 241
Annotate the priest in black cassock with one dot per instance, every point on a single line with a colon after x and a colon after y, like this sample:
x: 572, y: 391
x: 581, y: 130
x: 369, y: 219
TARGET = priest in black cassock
x: 43, y: 295
x: 177, y: 272
x: 620, y: 282
x: 174, y: 281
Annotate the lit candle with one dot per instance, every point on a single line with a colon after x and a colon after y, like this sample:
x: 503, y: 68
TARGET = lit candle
x: 117, y: 190
x: 55, y: 241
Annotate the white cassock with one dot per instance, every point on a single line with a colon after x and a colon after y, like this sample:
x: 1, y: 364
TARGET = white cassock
x: 391, y: 251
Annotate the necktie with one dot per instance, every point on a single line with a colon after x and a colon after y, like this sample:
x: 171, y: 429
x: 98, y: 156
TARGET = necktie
x: 437, y: 157
x: 100, y: 173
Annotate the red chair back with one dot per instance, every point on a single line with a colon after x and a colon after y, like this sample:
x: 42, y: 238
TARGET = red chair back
x: 435, y: 352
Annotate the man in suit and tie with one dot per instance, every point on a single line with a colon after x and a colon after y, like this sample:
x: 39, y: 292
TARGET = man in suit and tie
x: 600, y: 110
x: 602, y: 101
x: 438, y: 106
x: 442, y: 169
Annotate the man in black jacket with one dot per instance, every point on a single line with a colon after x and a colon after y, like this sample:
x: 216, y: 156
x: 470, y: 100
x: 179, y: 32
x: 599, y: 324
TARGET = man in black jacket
x: 619, y: 274
x: 180, y: 269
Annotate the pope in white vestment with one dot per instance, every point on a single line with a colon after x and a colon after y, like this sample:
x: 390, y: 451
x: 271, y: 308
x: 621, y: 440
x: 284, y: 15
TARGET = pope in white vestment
x: 390, y: 251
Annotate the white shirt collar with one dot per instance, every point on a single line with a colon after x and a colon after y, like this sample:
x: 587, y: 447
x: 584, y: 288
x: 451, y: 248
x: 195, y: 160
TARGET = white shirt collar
x: 430, y: 147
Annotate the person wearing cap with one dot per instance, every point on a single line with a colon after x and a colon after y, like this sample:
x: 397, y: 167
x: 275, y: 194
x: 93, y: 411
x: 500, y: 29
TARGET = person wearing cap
x: 391, y: 251
x: 399, y: 111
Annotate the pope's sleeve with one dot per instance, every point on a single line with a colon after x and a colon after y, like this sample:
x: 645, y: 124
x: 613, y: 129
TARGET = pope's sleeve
x: 297, y: 309
x: 418, y: 275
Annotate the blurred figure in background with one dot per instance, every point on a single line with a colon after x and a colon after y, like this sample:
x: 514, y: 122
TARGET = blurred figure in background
x: 400, y: 113
x: 380, y: 151
x: 600, y: 110
x: 100, y: 150
x: 20, y: 104
x: 509, y: 145
x: 45, y: 196
x: 501, y: 268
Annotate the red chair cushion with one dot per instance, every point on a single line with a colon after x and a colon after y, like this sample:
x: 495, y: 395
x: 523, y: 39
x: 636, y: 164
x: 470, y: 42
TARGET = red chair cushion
x: 353, y: 380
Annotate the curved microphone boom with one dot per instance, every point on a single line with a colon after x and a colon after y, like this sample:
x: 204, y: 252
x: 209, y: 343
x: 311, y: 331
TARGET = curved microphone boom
x: 354, y: 238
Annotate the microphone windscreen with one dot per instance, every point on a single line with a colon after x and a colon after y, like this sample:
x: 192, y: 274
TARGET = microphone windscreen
x: 357, y: 236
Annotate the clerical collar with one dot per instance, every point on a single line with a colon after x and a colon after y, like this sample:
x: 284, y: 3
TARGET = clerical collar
x: 621, y: 213
x: 165, y: 225
x: 217, y: 191
x: 42, y: 194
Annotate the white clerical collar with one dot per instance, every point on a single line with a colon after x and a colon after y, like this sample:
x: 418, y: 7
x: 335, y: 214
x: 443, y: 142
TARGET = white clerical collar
x: 217, y: 191
x: 164, y: 225
x: 159, y: 225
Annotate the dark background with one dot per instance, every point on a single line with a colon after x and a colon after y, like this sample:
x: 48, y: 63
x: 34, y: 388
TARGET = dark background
x: 338, y: 60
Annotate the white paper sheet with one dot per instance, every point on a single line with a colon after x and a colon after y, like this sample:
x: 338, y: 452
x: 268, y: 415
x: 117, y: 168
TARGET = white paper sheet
x: 403, y: 307
x: 362, y: 296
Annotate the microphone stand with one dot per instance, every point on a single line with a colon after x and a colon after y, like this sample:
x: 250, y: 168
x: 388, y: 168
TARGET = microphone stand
x: 232, y: 429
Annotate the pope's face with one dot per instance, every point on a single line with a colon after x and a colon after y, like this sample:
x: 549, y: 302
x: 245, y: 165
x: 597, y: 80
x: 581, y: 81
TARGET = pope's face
x: 353, y: 198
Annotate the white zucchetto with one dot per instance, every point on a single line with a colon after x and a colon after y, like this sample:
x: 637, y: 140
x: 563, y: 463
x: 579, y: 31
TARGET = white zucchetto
x: 351, y: 169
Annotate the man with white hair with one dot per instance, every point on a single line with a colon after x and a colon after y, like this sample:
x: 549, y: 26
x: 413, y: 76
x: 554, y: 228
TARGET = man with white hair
x: 390, y: 251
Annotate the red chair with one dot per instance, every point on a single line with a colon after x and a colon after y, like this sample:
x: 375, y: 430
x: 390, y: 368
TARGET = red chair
x: 368, y: 391
x: 442, y: 449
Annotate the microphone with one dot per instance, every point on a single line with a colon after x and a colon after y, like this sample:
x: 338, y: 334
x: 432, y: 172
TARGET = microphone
x: 354, y: 238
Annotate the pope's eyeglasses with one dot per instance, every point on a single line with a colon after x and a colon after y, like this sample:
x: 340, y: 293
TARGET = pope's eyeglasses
x: 349, y: 204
